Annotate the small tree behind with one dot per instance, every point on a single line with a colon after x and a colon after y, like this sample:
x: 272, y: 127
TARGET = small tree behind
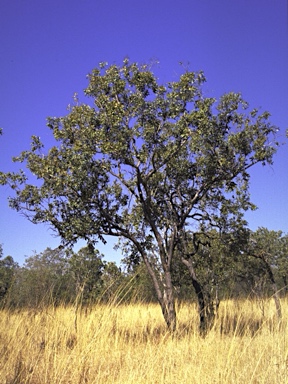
x: 266, y: 246
x: 86, y: 268
x: 8, y: 268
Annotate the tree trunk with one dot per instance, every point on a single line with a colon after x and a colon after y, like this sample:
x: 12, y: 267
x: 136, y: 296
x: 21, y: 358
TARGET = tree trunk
x: 165, y: 295
x: 168, y: 309
x: 205, y: 313
x: 274, y: 288
x: 275, y: 293
x: 284, y: 278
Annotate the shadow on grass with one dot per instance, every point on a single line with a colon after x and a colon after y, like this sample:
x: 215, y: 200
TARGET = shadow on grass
x: 241, y: 326
x: 233, y: 326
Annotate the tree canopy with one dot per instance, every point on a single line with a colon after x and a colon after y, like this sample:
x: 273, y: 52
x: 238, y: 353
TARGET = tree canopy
x: 148, y: 163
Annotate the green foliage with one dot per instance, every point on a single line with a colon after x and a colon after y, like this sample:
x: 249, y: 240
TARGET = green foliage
x: 271, y: 249
x: 144, y: 152
x: 57, y: 277
x: 86, y: 268
x: 257, y: 265
x: 8, y: 268
x: 42, y: 279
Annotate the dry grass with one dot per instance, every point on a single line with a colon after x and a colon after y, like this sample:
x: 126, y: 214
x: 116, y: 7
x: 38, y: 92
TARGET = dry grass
x: 130, y: 344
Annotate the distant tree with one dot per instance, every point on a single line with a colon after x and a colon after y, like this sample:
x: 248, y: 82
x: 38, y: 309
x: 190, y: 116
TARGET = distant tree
x: 113, y: 282
x: 281, y: 263
x: 8, y: 268
x: 148, y: 163
x: 43, y: 279
x: 265, y: 246
x: 246, y: 277
x: 86, y: 268
x: 135, y: 269
x: 58, y: 276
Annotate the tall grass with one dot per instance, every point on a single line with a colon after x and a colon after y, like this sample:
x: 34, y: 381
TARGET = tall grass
x: 130, y: 344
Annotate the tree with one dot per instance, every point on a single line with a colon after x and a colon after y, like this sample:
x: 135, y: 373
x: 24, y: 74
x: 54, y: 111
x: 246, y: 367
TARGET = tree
x: 211, y: 257
x: 7, y: 271
x: 86, y: 269
x: 43, y: 279
x: 135, y: 270
x: 266, y: 246
x: 57, y: 276
x: 113, y: 281
x: 281, y: 263
x: 148, y: 163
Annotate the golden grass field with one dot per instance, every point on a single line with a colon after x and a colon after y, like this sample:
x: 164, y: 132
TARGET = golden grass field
x: 130, y: 344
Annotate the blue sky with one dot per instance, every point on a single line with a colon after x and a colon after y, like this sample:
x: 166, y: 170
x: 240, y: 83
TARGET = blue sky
x: 48, y: 47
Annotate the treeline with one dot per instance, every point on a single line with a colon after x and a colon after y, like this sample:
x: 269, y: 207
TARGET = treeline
x: 256, y: 266
x: 58, y: 276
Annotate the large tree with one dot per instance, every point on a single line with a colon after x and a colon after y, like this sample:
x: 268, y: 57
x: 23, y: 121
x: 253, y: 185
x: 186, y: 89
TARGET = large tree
x: 148, y: 163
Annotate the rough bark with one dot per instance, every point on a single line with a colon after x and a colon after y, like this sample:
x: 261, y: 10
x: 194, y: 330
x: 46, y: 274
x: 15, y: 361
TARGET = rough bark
x: 274, y: 288
x: 169, y: 301
x: 202, y: 308
x: 164, y: 293
x: 284, y: 278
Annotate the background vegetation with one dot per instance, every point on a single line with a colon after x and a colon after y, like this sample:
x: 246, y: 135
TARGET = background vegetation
x: 61, y: 277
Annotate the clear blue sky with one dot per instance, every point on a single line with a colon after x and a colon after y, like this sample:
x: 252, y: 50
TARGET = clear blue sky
x: 48, y: 47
